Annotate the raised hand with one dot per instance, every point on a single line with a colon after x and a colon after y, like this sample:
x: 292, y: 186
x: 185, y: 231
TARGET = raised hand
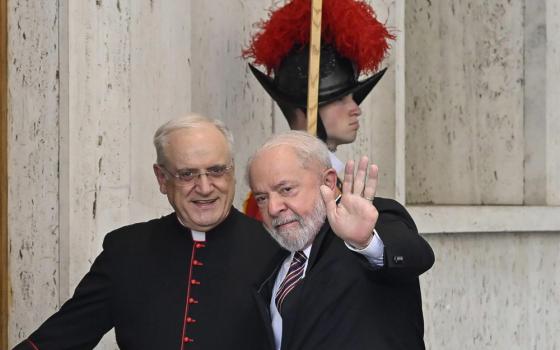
x: 354, y: 217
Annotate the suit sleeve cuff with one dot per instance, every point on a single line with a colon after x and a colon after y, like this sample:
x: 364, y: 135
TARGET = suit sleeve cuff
x: 373, y: 252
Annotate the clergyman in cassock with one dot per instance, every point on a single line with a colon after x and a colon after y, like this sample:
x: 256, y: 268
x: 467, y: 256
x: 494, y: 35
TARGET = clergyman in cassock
x: 182, y: 281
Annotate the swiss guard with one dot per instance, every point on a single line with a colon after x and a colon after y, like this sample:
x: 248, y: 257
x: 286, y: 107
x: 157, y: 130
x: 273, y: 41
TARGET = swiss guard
x: 353, y: 44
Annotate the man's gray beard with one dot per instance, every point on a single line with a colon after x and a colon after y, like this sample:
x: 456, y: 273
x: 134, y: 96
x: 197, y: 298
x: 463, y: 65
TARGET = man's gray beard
x: 294, y: 239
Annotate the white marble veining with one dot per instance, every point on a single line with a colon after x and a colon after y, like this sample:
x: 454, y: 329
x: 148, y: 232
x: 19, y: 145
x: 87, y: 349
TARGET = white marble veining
x: 535, y: 103
x: 464, y: 102
x: 33, y: 165
x: 493, y: 291
x: 553, y: 102
x: 160, y: 89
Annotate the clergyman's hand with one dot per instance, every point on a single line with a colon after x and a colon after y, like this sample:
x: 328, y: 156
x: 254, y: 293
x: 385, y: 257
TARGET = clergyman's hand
x: 354, y: 218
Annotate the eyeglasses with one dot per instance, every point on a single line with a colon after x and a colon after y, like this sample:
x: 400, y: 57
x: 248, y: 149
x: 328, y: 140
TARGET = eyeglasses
x: 188, y: 176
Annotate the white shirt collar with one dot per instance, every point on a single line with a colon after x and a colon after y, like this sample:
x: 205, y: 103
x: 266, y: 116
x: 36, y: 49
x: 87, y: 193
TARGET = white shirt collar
x: 336, y: 163
x: 196, y: 235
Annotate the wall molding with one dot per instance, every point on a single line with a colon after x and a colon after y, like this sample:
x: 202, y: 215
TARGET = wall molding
x: 432, y: 219
x: 4, y: 280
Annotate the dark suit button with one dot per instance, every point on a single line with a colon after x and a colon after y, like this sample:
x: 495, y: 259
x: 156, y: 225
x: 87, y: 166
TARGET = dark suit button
x: 398, y: 259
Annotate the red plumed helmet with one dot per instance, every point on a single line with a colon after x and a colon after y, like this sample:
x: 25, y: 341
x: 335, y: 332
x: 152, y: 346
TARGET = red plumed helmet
x: 353, y: 42
x: 348, y: 25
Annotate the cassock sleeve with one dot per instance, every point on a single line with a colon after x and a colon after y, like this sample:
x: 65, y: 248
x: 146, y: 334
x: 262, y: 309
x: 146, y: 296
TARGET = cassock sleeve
x: 83, y: 320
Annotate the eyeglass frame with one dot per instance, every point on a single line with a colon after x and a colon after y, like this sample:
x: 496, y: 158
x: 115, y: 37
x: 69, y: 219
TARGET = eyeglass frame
x: 196, y: 177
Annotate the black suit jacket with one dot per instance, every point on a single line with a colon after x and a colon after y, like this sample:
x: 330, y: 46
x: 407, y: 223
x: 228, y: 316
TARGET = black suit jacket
x: 139, y: 286
x: 346, y: 304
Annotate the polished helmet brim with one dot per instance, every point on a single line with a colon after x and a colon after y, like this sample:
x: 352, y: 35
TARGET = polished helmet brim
x: 359, y: 91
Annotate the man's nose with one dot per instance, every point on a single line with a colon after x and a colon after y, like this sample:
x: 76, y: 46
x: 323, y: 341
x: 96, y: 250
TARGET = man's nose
x: 275, y: 205
x: 203, y: 184
x: 355, y: 108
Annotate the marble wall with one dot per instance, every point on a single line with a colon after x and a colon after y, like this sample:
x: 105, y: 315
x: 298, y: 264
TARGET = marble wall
x: 493, y: 291
x: 82, y: 114
x: 33, y: 164
x: 90, y: 81
x: 552, y: 102
x: 464, y: 86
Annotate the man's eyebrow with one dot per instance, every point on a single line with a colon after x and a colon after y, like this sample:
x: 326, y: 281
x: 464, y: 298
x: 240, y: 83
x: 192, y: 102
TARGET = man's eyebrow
x: 275, y: 187
x: 284, y: 183
x: 186, y: 169
x: 210, y: 167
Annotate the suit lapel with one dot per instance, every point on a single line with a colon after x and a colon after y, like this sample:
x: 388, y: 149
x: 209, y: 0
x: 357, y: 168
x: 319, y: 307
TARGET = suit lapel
x: 264, y: 312
x: 263, y: 295
x: 320, y: 240
x: 317, y: 244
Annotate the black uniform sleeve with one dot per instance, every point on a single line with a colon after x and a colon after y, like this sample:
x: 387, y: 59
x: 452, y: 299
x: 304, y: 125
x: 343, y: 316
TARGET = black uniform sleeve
x: 83, y: 320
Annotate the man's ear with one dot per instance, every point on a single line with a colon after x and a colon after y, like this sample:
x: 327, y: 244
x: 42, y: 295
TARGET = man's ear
x: 161, y: 179
x: 329, y: 178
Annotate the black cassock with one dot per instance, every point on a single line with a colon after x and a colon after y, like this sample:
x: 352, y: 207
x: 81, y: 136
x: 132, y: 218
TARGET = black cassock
x: 160, y: 289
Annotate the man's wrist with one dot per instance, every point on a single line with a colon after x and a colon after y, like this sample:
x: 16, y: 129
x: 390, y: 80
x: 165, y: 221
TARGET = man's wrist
x: 373, y: 252
x: 361, y: 246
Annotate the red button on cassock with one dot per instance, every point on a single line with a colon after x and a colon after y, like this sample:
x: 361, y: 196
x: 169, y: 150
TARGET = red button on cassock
x: 195, y: 282
x: 188, y: 340
x: 197, y: 263
x: 200, y: 245
x: 190, y: 320
x: 193, y: 301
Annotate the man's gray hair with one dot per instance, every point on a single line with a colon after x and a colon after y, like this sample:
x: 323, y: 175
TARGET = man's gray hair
x: 188, y: 121
x: 308, y: 148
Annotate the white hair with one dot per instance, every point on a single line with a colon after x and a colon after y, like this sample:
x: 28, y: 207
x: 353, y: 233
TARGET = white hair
x: 188, y: 121
x: 308, y: 149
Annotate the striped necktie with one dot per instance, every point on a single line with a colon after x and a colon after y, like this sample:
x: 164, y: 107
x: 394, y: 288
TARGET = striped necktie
x: 292, y: 278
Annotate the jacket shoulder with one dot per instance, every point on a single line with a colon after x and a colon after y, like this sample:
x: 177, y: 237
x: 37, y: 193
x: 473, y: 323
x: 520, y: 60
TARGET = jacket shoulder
x: 391, y: 210
x: 138, y: 232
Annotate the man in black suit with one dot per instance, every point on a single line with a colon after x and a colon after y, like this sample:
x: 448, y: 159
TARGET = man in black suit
x: 350, y: 282
x: 185, y: 280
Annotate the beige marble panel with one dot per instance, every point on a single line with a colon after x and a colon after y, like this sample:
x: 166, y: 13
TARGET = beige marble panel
x: 464, y: 102
x: 160, y: 73
x: 493, y: 291
x: 553, y: 102
x: 98, y: 128
x: 222, y: 85
x: 33, y: 234
x: 535, y: 102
